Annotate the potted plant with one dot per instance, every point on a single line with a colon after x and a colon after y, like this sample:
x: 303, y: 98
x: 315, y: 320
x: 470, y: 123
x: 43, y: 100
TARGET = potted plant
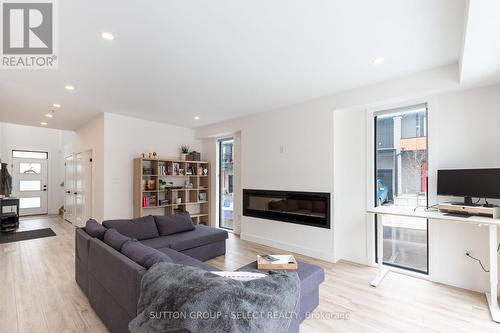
x: 184, y: 152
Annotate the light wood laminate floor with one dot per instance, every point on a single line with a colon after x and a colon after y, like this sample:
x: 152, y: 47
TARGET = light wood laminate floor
x: 38, y: 292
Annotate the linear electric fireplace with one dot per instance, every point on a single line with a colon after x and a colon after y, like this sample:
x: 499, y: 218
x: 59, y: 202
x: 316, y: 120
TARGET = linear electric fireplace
x: 308, y: 208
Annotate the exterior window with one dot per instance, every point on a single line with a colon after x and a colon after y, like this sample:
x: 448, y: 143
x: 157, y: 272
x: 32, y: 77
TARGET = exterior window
x: 226, y: 183
x: 30, y: 185
x: 34, y: 202
x: 39, y: 155
x: 401, y: 164
x: 30, y: 168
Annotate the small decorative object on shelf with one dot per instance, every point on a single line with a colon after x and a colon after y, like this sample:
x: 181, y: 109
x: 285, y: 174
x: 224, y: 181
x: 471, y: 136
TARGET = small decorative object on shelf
x: 205, y: 171
x: 181, y: 172
x: 155, y: 155
x: 188, y: 185
x: 178, y: 200
x: 150, y: 185
x: 184, y: 152
x: 163, y: 202
x: 200, y: 171
x: 190, y: 171
x: 175, y: 169
x: 202, y: 196
x: 195, y: 156
x: 163, y: 185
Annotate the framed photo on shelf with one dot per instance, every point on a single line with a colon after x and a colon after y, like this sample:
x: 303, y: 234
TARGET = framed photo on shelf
x: 202, y: 196
x: 175, y: 168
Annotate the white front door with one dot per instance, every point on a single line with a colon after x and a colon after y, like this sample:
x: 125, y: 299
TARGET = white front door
x: 30, y: 185
x: 83, y: 188
x: 69, y: 184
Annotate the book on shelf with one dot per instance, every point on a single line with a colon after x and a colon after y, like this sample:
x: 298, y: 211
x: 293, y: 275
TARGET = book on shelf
x: 147, y: 171
x: 149, y: 200
x: 164, y: 170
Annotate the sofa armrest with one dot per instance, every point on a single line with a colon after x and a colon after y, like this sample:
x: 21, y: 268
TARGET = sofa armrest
x: 82, y: 241
x: 117, y: 274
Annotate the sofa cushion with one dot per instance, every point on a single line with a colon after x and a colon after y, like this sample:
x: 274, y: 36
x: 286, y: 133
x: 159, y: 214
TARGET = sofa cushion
x: 139, y: 228
x: 201, y: 235
x: 172, y: 224
x: 181, y: 258
x: 114, y: 239
x: 95, y: 229
x: 142, y: 254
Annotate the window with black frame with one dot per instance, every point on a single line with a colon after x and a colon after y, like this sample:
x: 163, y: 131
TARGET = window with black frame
x: 226, y: 183
x: 401, y: 163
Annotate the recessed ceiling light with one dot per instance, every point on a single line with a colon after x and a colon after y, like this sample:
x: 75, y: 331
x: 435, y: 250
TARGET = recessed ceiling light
x: 56, y: 105
x: 49, y: 115
x: 196, y: 118
x: 43, y: 123
x: 107, y: 36
x: 378, y: 61
x: 69, y: 87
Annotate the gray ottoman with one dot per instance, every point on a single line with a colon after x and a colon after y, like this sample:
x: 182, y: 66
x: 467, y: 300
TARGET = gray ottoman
x: 311, y: 277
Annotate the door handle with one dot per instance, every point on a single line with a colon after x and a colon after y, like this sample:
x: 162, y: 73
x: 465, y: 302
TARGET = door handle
x: 44, y: 189
x: 75, y: 193
x: 68, y: 192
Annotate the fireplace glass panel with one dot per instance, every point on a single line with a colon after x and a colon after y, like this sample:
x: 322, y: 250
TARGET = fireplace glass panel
x: 309, y: 208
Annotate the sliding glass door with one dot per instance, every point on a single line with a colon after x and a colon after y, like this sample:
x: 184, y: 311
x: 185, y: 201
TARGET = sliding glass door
x: 401, y: 180
x: 226, y: 183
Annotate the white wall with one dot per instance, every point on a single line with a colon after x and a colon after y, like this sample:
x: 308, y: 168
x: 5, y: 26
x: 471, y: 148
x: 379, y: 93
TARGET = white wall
x: 91, y: 137
x: 210, y: 151
x: 350, y: 185
x: 306, y: 163
x: 13, y: 136
x: 462, y: 134
x: 125, y: 139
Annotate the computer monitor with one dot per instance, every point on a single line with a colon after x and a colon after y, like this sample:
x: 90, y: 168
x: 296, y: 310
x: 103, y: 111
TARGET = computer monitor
x: 469, y: 183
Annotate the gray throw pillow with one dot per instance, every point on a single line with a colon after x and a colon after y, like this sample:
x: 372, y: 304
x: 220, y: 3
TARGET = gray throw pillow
x: 114, y: 239
x: 143, y: 255
x: 139, y: 228
x: 95, y: 229
x: 172, y: 224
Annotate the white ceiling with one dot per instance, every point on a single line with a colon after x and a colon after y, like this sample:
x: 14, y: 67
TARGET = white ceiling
x: 480, y: 61
x: 173, y: 60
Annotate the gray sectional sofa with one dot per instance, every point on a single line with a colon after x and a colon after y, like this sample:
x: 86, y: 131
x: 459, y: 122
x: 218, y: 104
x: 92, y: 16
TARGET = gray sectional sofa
x: 110, y: 260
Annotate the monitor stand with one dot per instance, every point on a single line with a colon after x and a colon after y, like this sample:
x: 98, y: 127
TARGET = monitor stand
x: 467, y: 202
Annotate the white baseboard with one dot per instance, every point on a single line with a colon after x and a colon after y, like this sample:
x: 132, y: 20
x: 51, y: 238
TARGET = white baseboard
x: 290, y: 247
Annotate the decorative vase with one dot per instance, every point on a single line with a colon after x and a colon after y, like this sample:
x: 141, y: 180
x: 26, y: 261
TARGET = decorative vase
x: 183, y: 156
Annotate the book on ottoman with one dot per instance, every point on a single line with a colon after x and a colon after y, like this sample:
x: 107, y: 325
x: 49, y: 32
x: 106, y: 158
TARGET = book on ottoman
x: 276, y: 261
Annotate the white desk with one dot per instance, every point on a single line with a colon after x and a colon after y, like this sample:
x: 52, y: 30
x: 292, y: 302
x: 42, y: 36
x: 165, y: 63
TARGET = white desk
x: 437, y: 216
